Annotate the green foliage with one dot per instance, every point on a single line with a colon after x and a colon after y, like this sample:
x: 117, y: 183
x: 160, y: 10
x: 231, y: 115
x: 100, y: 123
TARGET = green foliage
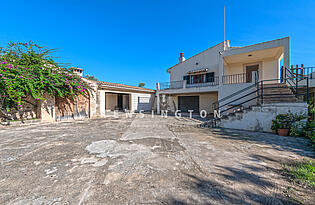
x: 141, y: 85
x: 302, y: 172
x: 27, y: 69
x: 311, y: 110
x: 283, y: 121
x: 91, y: 77
x: 297, y: 126
x: 312, y: 138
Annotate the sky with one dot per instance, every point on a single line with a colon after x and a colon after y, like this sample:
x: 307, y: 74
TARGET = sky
x: 132, y: 41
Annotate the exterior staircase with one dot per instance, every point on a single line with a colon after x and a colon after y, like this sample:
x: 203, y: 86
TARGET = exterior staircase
x: 269, y: 94
x: 278, y: 93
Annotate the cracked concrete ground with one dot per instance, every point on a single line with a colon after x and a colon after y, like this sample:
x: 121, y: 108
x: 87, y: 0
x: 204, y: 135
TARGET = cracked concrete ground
x: 146, y: 161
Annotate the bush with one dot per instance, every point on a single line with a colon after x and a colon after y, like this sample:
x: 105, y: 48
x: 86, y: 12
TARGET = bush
x: 288, y: 121
x: 28, y: 70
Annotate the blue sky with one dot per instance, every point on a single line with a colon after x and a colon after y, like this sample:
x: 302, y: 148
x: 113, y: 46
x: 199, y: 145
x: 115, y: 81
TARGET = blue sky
x: 136, y: 41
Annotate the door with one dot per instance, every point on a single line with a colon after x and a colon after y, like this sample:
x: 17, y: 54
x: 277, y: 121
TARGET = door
x: 249, y: 71
x: 186, y: 103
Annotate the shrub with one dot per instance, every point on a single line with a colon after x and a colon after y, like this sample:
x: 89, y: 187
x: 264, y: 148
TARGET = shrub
x: 27, y: 69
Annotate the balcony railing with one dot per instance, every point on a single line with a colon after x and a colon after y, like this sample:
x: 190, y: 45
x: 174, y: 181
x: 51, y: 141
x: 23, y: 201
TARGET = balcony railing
x: 172, y: 85
x: 182, y: 84
x: 237, y: 78
x: 212, y: 82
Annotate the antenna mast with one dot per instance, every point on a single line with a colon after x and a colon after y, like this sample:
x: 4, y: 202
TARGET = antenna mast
x: 224, y: 28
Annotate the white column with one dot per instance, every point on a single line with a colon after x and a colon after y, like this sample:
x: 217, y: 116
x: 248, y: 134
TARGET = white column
x: 286, y: 54
x: 102, y: 102
x: 158, y: 98
x: 184, y: 83
x: 158, y: 103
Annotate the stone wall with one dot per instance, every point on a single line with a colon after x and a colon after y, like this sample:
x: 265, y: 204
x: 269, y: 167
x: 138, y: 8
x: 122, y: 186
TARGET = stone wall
x: 67, y: 109
x: 27, y: 111
x: 259, y: 118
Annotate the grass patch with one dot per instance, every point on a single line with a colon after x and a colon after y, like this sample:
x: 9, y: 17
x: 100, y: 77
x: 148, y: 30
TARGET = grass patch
x: 302, y: 173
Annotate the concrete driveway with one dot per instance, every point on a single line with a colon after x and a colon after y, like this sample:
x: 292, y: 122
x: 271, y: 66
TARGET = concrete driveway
x: 146, y: 161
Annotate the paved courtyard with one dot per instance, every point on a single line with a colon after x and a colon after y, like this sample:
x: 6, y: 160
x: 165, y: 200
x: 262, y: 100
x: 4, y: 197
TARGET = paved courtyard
x: 146, y: 161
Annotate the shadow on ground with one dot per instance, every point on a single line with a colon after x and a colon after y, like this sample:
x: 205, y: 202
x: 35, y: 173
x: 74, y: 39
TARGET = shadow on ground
x: 205, y: 191
x: 298, y: 145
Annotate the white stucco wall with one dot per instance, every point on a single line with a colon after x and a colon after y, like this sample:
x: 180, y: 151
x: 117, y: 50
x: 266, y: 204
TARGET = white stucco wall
x: 207, y: 59
x: 146, y: 103
x: 232, y: 69
x: 260, y: 117
x: 101, y: 102
x: 270, y: 69
x: 228, y: 90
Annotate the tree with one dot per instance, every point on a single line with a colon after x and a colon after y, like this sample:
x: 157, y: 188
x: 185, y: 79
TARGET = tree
x: 141, y: 85
x: 27, y: 69
x: 90, y: 77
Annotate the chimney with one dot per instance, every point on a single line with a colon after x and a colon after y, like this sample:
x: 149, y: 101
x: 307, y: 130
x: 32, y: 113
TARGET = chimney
x: 181, y: 58
x: 78, y: 71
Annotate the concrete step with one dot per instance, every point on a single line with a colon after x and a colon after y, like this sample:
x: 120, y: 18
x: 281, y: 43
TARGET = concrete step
x: 278, y: 100
x: 275, y: 85
x: 289, y: 92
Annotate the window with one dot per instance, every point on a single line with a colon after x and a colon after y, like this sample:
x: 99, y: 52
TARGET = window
x: 198, y: 78
x: 187, y: 78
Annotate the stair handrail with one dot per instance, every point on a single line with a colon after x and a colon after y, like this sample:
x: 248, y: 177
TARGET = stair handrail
x: 259, y: 90
x: 215, y: 104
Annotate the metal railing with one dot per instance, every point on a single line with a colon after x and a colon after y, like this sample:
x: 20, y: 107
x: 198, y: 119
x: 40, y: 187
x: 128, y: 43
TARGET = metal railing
x: 237, y: 78
x: 256, y: 92
x: 211, y: 82
x: 172, y: 85
x: 181, y: 84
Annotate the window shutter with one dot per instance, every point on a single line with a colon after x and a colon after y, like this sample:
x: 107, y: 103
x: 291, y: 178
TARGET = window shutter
x: 210, y: 77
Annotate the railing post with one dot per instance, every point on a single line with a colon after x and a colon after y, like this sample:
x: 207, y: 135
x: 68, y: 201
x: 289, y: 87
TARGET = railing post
x: 262, y: 93
x: 296, y: 86
x: 257, y: 89
x: 184, y: 83
x: 307, y: 90
x: 285, y: 74
x: 281, y: 74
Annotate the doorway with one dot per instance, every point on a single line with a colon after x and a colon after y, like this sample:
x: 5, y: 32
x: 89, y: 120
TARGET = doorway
x: 120, y: 101
x: 249, y: 72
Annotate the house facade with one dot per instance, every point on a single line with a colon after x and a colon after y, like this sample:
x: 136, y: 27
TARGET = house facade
x: 220, y: 71
x: 120, y: 97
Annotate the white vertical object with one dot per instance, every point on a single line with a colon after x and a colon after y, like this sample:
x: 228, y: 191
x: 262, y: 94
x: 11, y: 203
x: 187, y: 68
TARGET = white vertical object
x: 224, y: 29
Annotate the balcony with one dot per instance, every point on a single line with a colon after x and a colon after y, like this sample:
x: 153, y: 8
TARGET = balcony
x: 238, y: 78
x: 183, y: 84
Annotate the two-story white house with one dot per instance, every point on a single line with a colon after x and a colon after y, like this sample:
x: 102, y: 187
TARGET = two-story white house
x: 203, y: 79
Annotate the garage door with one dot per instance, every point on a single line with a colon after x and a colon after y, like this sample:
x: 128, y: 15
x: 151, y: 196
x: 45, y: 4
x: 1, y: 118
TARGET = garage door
x: 186, y: 103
